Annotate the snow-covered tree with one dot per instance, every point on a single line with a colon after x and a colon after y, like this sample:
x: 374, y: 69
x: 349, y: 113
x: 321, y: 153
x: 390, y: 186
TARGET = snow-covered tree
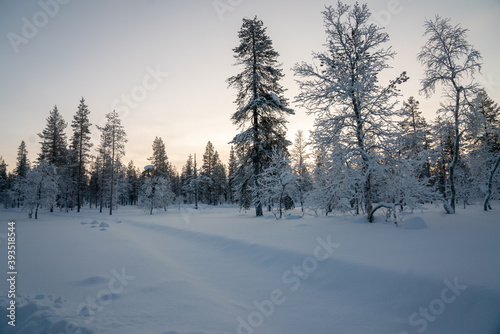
x: 261, y: 105
x: 156, y: 187
x: 54, y: 150
x: 40, y: 188
x: 159, y: 159
x: 22, y: 169
x: 80, y: 148
x: 232, y: 167
x: 353, y: 110
x: 278, y: 184
x: 191, y: 181
x: 212, y: 177
x: 156, y: 191
x: 299, y: 156
x: 484, y: 151
x: 186, y: 177
x: 451, y: 61
x: 133, y: 183
x: 111, y: 149
x: 3, y: 180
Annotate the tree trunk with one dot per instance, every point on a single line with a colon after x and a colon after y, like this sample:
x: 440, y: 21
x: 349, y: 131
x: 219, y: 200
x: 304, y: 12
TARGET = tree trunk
x: 368, y: 197
x: 256, y: 142
x: 112, y: 174
x: 490, y: 185
x: 456, y: 149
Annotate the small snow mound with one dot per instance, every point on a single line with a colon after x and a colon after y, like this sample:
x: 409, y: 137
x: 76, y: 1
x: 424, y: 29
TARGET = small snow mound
x: 94, y: 222
x: 103, y: 229
x: 415, y: 223
x: 93, y: 280
x: 83, y: 223
x: 103, y: 224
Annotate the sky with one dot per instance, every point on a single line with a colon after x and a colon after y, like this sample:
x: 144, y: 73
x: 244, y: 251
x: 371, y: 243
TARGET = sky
x: 163, y: 64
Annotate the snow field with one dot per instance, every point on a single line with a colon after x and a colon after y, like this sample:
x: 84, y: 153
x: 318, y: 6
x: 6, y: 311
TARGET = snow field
x: 217, y: 270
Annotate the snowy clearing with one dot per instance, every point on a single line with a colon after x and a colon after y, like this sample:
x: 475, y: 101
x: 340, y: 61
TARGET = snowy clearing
x: 218, y: 270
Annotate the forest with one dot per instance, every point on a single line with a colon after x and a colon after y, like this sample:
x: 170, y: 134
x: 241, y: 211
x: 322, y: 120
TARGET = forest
x: 370, y: 147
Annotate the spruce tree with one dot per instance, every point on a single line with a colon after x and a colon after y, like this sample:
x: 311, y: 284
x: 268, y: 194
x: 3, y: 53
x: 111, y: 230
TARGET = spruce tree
x: 261, y: 105
x: 186, y: 178
x: 22, y: 163
x: 80, y: 148
x: 159, y: 160
x: 207, y: 191
x: 54, y: 144
x: 133, y: 186
x: 231, y: 173
x: 3, y: 179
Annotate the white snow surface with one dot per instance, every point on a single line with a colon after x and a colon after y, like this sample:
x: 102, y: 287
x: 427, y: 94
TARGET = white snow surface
x: 218, y: 270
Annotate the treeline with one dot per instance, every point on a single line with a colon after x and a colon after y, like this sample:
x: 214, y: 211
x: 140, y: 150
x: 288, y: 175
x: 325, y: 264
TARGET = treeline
x: 67, y: 176
x: 365, y: 152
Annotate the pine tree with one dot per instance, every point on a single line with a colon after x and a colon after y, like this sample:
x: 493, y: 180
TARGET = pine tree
x: 22, y: 169
x: 451, y: 61
x: 22, y: 163
x: 186, y: 177
x: 54, y: 145
x: 261, y: 105
x: 112, y: 148
x: 157, y: 188
x: 133, y: 185
x: 195, y: 183
x: 80, y: 148
x: 219, y: 180
x: 489, y: 138
x: 159, y: 160
x: 207, y: 191
x: 3, y: 180
x: 415, y: 136
x: 353, y: 110
x: 231, y: 174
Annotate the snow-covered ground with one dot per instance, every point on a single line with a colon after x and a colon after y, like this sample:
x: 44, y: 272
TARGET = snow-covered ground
x: 218, y: 270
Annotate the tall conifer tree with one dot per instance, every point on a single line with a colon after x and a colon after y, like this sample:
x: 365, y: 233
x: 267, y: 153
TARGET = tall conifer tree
x: 261, y: 105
